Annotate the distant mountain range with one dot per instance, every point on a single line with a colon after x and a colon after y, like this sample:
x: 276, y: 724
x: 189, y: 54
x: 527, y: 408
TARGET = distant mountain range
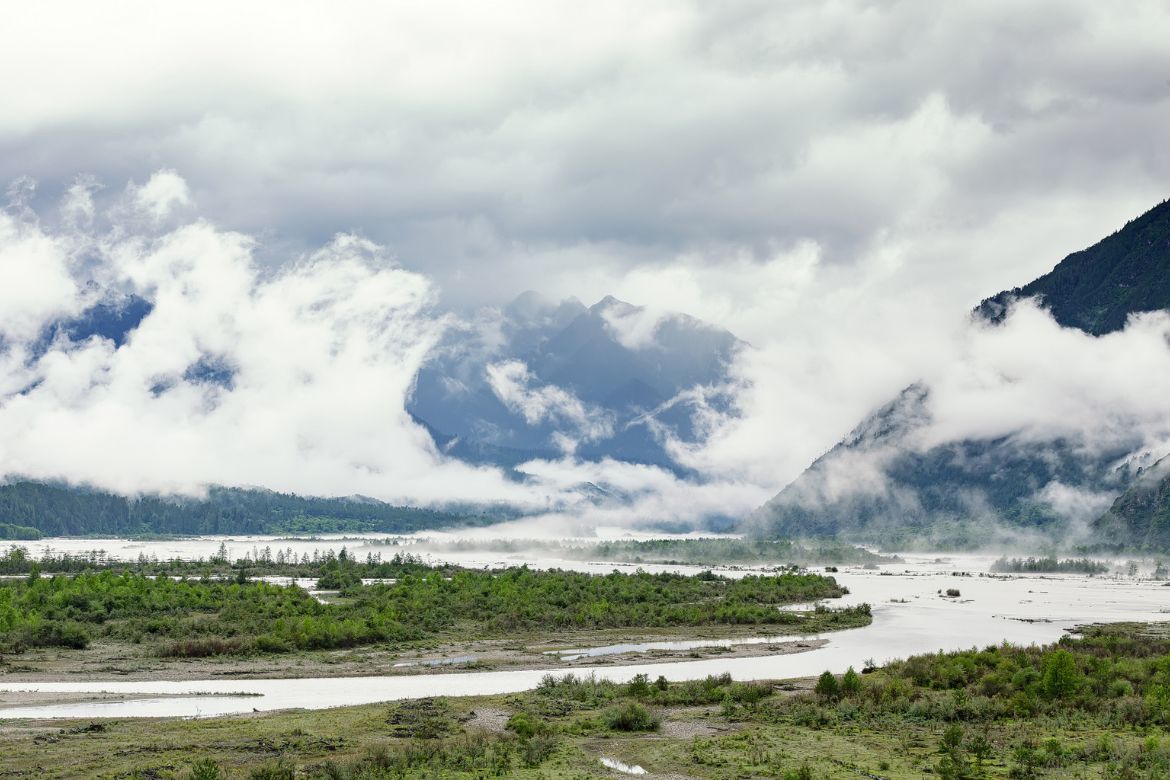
x: 542, y: 378
x: 537, y: 379
x: 881, y: 483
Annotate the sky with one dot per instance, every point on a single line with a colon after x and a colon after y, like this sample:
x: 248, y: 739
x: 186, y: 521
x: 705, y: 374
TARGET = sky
x: 316, y: 192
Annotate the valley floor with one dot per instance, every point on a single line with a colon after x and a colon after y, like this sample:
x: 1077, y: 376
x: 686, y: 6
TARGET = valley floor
x: 1092, y: 707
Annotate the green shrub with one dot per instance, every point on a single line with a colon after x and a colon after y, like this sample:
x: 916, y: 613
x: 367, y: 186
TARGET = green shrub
x: 827, y: 686
x: 206, y: 769
x: 526, y: 725
x: 281, y: 770
x: 850, y: 683
x: 631, y: 716
x: 537, y: 749
x: 1061, y: 678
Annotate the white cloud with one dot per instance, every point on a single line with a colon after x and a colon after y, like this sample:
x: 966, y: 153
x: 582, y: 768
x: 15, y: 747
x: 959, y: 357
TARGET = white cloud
x: 35, y: 283
x: 511, y: 382
x: 162, y: 193
x: 836, y: 183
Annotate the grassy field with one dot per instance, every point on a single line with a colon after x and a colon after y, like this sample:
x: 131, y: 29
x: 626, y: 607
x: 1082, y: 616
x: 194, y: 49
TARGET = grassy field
x: 1091, y: 707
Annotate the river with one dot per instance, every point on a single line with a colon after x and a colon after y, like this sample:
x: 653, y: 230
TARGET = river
x: 911, y: 612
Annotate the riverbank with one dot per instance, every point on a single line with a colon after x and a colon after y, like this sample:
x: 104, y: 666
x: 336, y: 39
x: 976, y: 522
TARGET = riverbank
x: 110, y: 661
x: 1089, y: 707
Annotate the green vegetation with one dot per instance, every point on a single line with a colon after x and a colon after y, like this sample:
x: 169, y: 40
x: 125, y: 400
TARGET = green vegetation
x: 1096, y: 706
x: 706, y: 552
x: 53, y: 510
x: 207, y: 617
x: 974, y: 493
x: 1140, y: 517
x: 337, y: 568
x: 19, y: 532
x: 1097, y: 289
x: 1049, y: 565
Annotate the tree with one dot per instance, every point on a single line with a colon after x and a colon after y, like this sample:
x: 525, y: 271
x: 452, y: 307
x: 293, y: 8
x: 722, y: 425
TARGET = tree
x: 1060, y: 678
x: 850, y: 683
x: 827, y: 686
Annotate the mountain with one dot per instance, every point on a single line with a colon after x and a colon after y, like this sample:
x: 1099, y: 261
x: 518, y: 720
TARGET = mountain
x: 540, y: 378
x: 886, y: 482
x: 1140, y: 517
x: 1095, y: 290
x: 33, y: 509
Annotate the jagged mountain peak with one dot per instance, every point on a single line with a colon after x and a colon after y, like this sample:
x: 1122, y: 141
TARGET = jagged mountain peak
x: 619, y: 360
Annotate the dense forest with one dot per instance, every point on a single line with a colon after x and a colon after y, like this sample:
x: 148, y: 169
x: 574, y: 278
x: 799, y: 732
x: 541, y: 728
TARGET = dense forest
x: 1097, y: 288
x: 204, y: 617
x: 1048, y: 565
x: 32, y: 509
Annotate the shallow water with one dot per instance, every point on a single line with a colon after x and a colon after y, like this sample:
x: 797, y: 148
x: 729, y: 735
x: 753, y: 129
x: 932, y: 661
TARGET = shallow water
x: 618, y: 766
x: 578, y: 653
x: 910, y: 616
x: 459, y: 659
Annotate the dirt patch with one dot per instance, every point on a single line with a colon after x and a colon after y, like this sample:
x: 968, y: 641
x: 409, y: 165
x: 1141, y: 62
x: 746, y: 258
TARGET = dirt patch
x: 689, y: 729
x: 488, y: 719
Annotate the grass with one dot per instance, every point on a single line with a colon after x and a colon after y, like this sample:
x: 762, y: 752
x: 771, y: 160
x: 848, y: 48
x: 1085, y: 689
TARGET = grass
x: 1091, y: 707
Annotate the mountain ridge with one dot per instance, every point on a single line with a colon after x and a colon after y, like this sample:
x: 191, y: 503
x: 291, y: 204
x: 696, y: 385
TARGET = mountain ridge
x: 618, y: 361
x: 1001, y: 485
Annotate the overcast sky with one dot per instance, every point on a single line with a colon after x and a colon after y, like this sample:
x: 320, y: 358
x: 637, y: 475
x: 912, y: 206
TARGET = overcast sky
x: 836, y: 182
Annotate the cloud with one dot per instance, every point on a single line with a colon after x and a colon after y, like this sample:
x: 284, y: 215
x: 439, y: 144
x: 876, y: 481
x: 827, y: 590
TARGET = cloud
x: 35, y: 283
x: 484, y: 148
x: 295, y: 377
x: 835, y: 183
x: 162, y: 193
x: 511, y: 382
x: 634, y: 326
x: 1041, y: 382
x: 321, y: 355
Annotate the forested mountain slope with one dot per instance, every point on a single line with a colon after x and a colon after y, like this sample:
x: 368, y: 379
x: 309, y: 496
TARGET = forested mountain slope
x: 886, y: 480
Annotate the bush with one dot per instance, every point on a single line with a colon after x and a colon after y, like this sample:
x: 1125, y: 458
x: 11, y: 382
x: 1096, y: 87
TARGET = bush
x: 71, y: 635
x: 827, y: 686
x: 749, y: 693
x: 206, y: 769
x: 639, y: 687
x: 537, y: 749
x: 851, y: 683
x: 631, y: 716
x: 282, y: 770
x: 1060, y: 678
x: 526, y: 725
